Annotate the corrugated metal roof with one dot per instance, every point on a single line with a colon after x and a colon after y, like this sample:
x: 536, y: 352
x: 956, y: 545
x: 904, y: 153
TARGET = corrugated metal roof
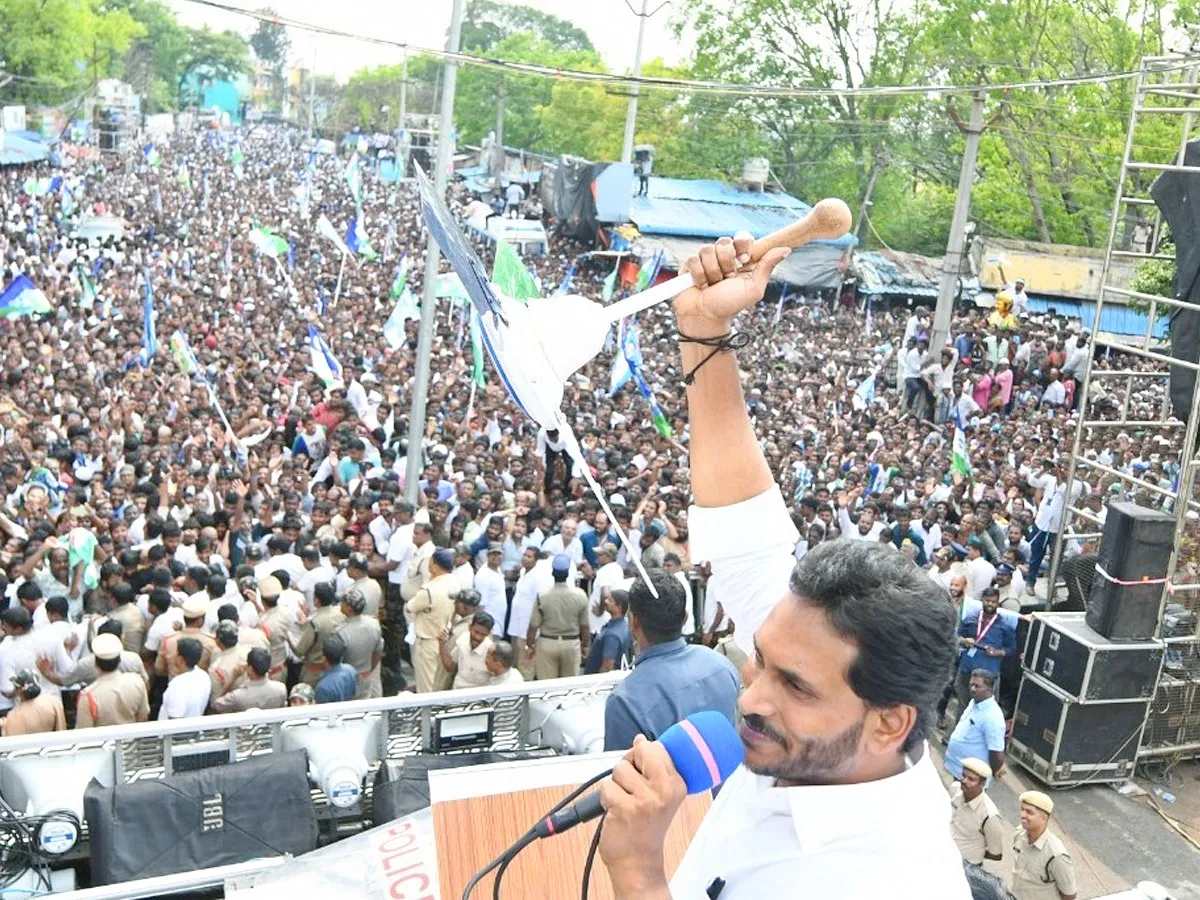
x: 879, y: 274
x: 1114, y: 320
x: 700, y: 208
x: 19, y: 150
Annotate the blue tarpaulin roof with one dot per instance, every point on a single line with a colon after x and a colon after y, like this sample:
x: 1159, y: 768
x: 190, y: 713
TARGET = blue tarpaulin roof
x: 880, y: 275
x: 700, y: 208
x: 22, y: 147
x: 1114, y: 320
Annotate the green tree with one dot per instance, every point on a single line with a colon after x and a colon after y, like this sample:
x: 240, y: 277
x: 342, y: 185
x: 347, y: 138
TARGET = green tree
x: 215, y: 54
x: 55, y: 47
x: 152, y: 61
x: 819, y: 146
x: 487, y: 23
x: 371, y: 99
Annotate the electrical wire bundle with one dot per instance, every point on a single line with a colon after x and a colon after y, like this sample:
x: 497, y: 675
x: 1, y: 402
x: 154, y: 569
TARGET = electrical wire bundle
x: 503, y: 861
x: 20, y: 851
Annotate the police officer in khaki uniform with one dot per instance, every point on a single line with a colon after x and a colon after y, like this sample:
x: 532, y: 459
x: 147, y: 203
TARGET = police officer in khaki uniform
x: 466, y: 604
x: 363, y: 641
x: 226, y: 665
x: 975, y: 824
x: 133, y: 622
x: 558, y: 627
x: 276, y: 623
x: 258, y: 692
x: 429, y: 613
x: 168, y: 662
x: 115, y: 697
x: 324, y: 622
x: 1042, y: 869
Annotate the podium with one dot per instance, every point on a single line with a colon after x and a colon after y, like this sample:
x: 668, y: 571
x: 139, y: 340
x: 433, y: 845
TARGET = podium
x: 479, y: 811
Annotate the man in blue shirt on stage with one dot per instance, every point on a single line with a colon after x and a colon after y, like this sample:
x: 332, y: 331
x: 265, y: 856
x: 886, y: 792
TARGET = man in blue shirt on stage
x: 986, y: 638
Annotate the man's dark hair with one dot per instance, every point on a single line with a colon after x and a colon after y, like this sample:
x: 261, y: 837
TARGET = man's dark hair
x: 259, y: 660
x: 191, y: 651
x: 483, y: 618
x: 111, y: 626
x: 896, y: 616
x: 160, y: 600
x: 985, y: 676
x: 227, y: 612
x: 621, y: 598
x: 334, y: 649
x: 58, y: 606
x: 122, y: 592
x: 661, y: 617
x: 110, y: 665
x: 324, y: 594
x: 200, y: 575
x: 29, y: 591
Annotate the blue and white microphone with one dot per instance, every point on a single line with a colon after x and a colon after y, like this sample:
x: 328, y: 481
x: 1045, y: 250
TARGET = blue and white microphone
x: 704, y: 748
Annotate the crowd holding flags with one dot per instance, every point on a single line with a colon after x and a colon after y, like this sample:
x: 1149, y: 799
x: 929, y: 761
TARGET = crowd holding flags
x: 358, y: 241
x: 149, y: 338
x: 627, y: 364
x: 153, y: 158
x: 322, y: 361
x: 22, y: 298
x: 88, y: 292
x: 268, y: 243
x: 960, y: 459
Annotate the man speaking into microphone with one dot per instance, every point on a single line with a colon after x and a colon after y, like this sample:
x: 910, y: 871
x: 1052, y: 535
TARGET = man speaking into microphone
x: 849, y: 652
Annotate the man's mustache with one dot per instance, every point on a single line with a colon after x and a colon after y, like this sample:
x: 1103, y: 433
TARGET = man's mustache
x: 758, y: 723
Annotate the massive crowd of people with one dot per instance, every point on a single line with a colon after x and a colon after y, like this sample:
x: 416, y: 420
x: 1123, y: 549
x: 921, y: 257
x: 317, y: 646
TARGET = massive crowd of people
x: 157, y: 561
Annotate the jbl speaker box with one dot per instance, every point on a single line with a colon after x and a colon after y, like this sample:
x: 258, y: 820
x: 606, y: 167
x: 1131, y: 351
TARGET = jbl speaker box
x: 1064, y: 650
x: 212, y: 817
x: 1136, y: 547
x: 403, y: 787
x: 1062, y: 741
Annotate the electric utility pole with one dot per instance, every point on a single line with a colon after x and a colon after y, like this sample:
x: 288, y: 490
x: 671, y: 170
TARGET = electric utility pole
x: 955, y: 244
x: 416, y: 422
x: 631, y: 111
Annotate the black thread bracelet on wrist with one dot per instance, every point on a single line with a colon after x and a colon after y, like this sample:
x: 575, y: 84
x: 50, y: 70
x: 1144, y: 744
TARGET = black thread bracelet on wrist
x: 724, y: 343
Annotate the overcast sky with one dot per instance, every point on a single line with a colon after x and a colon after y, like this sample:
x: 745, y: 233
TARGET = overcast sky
x: 609, y: 23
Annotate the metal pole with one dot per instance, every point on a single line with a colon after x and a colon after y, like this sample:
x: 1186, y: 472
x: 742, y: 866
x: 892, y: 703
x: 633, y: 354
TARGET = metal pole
x: 402, y: 144
x: 952, y: 264
x: 631, y: 111
x: 312, y: 91
x: 416, y: 423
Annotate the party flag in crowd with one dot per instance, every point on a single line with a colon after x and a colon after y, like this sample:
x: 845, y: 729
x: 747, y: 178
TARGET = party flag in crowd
x: 864, y: 394
x: 631, y: 353
x: 610, y: 284
x: 238, y: 160
x: 565, y: 287
x: 149, y: 338
x: 960, y: 460
x: 357, y: 240
x: 181, y: 350
x: 152, y: 156
x: 400, y: 281
x: 268, y: 243
x: 406, y: 308
x: 22, y: 298
x: 88, y: 295
x: 326, y: 230
x: 323, y: 362
x: 476, y: 348
x: 649, y: 271
x: 510, y: 276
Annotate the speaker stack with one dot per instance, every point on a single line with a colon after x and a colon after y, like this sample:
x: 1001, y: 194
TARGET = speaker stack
x: 1090, y: 677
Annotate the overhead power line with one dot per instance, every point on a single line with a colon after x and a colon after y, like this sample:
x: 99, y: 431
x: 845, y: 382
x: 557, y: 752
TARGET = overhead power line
x: 693, y: 85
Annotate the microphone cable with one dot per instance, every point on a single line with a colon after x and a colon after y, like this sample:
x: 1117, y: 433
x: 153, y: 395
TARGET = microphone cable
x: 591, y: 857
x: 504, y: 859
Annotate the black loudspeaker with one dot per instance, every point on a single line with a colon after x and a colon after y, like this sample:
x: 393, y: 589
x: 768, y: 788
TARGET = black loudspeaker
x: 213, y: 817
x: 1136, y: 546
x: 1063, y: 742
x: 403, y: 788
x: 1064, y: 651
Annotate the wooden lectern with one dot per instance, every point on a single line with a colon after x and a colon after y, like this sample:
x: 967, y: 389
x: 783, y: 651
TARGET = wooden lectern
x: 478, y: 811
